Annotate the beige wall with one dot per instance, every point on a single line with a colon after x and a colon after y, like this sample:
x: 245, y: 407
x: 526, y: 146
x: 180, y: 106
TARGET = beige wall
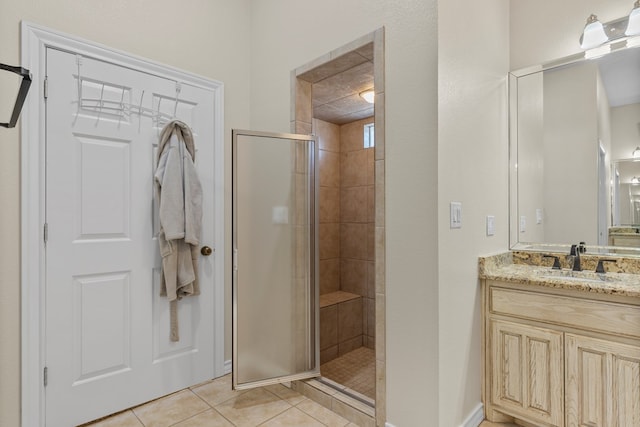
x: 625, y: 133
x: 290, y: 33
x: 604, y: 136
x: 571, y: 132
x: 530, y: 149
x: 473, y: 62
x: 210, y: 38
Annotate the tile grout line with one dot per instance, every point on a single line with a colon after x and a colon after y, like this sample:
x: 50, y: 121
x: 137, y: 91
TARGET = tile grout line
x: 207, y: 403
x: 311, y: 415
x: 191, y: 416
x: 240, y: 392
x: 137, y: 418
x: 279, y: 413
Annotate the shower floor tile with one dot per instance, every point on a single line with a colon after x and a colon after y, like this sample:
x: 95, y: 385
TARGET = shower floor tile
x: 355, y: 370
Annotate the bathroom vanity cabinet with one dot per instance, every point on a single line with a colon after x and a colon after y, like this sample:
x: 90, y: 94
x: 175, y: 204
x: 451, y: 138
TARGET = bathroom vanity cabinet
x: 557, y: 356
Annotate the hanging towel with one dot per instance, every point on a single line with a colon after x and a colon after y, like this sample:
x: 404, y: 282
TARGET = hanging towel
x: 179, y: 199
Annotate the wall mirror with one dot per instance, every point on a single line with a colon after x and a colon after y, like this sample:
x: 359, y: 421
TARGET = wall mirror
x: 574, y: 128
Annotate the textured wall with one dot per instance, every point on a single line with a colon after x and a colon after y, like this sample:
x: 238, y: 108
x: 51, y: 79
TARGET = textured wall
x: 473, y: 60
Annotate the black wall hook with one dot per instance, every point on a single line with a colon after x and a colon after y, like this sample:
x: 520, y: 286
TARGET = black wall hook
x: 22, y: 93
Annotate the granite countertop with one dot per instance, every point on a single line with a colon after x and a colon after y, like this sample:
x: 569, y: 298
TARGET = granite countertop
x: 623, y: 230
x: 528, y: 269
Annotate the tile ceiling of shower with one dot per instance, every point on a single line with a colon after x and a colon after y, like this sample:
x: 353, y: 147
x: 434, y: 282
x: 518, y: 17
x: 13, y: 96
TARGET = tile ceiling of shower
x: 336, y: 87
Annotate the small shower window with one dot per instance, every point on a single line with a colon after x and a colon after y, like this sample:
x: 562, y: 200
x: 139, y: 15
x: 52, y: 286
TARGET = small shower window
x: 369, y: 136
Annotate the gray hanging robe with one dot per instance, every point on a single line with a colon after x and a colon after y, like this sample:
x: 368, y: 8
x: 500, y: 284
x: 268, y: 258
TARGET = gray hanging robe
x: 179, y: 201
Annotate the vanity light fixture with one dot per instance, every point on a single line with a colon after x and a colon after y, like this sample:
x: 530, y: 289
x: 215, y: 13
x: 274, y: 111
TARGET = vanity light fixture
x: 596, y: 33
x: 369, y: 95
x: 636, y: 153
x: 593, y: 34
x: 633, y: 27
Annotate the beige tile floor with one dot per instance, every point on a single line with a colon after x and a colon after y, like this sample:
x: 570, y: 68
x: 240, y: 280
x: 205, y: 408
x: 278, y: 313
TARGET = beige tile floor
x: 214, y: 404
x: 355, y: 370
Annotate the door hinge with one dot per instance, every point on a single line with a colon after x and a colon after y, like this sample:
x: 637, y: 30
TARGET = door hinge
x: 235, y: 260
x: 46, y: 232
x: 45, y: 375
x: 45, y: 88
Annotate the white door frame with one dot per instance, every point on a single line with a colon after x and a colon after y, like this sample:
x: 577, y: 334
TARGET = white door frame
x: 35, y: 40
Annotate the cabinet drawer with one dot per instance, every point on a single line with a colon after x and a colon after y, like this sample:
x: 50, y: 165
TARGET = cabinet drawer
x: 608, y: 317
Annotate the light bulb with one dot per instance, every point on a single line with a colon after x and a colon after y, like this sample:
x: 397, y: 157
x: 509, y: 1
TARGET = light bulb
x: 368, y: 95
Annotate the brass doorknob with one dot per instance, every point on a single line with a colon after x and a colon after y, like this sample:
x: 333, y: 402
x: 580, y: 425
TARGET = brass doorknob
x: 206, y: 251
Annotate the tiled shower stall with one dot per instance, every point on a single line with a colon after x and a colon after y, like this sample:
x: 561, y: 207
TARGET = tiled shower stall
x: 347, y: 239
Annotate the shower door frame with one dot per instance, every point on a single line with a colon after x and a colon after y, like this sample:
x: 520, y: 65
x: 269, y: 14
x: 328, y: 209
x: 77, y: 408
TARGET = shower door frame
x: 313, y: 346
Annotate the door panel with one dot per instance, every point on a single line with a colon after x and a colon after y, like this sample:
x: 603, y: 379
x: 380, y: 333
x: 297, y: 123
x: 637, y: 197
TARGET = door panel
x: 275, y: 298
x: 107, y: 328
x: 527, y: 372
x: 603, y: 383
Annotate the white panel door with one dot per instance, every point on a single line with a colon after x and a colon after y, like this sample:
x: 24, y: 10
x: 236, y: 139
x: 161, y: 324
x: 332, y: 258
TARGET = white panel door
x: 107, y: 327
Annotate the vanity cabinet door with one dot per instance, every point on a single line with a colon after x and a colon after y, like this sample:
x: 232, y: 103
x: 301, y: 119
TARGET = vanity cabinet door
x: 603, y: 383
x: 527, y: 377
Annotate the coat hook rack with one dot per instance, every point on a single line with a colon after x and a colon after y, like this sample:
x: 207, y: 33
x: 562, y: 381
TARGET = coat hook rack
x: 22, y: 92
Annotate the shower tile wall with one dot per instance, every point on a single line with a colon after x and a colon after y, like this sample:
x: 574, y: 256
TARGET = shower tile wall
x: 357, y: 228
x: 328, y: 136
x: 347, y: 238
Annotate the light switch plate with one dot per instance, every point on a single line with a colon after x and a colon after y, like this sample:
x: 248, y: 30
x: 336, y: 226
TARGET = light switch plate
x: 455, y: 217
x: 539, y: 214
x: 491, y: 225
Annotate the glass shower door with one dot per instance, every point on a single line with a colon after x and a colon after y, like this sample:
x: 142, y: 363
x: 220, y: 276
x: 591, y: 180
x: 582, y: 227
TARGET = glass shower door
x: 275, y: 275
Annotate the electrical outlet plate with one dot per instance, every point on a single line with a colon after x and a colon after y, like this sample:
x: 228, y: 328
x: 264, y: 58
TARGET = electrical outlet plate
x: 523, y: 224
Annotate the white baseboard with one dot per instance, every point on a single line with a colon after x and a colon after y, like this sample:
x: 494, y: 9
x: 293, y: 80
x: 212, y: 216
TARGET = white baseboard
x: 227, y: 367
x: 475, y: 418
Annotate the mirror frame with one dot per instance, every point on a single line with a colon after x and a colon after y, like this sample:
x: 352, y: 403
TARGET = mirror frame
x: 513, y: 76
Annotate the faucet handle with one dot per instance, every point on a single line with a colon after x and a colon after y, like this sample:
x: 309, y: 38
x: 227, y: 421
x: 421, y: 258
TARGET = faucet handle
x: 582, y: 247
x: 600, y: 267
x: 556, y: 261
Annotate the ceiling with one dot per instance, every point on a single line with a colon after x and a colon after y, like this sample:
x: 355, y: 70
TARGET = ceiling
x: 336, y: 86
